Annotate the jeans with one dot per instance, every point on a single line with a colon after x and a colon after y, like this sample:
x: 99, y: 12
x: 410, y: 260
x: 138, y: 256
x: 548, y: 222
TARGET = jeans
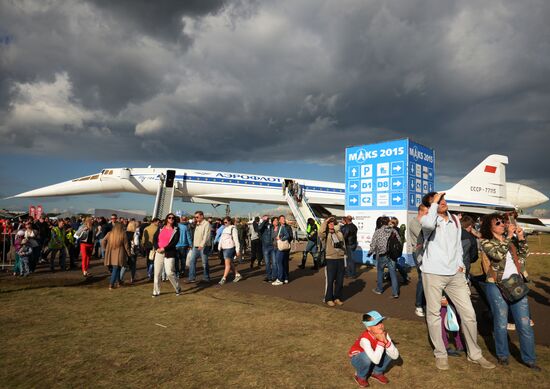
x: 193, y: 264
x: 180, y: 260
x: 420, y: 300
x: 334, y: 275
x: 520, y: 312
x: 381, y: 263
x: 163, y: 264
x: 363, y: 364
x: 350, y: 263
x: 270, y: 263
x: 115, y: 275
x: 282, y: 265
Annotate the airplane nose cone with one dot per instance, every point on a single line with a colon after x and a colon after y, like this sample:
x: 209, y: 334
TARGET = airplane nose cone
x: 525, y: 197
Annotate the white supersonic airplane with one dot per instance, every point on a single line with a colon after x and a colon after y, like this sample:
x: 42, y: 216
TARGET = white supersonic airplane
x: 483, y: 190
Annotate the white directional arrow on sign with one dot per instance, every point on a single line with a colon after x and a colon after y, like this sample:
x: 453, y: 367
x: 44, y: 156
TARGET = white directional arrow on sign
x: 397, y: 183
x: 353, y: 200
x: 397, y: 199
x: 397, y: 168
x: 354, y: 172
x: 353, y: 186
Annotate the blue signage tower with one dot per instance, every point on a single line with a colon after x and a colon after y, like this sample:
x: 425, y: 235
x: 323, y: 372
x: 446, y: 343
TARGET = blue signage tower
x: 387, y: 178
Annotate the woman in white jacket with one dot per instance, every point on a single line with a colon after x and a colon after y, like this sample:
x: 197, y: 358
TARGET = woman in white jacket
x: 229, y: 245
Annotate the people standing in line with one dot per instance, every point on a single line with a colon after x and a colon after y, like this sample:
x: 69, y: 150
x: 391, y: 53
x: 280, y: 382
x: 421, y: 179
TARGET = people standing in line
x: 201, y: 247
x: 147, y: 244
x: 86, y: 234
x: 34, y: 239
x: 243, y: 232
x: 24, y: 253
x: 255, y: 243
x: 164, y: 244
x: 132, y: 234
x: 184, y: 244
x: 268, y: 236
x: 116, y: 247
x: 416, y: 243
x: 229, y: 246
x: 72, y: 244
x: 311, y: 246
x: 378, y: 247
x: 443, y: 271
x: 283, y: 240
x: 332, y: 241
x: 57, y: 246
x: 217, y: 241
x: 506, y: 250
x: 470, y: 252
x: 401, y: 230
x: 349, y: 230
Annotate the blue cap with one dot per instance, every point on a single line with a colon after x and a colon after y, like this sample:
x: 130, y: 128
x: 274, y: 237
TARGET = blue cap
x: 375, y: 318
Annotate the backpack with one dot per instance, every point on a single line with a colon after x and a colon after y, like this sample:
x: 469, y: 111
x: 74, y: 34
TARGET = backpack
x: 226, y: 238
x: 394, y: 248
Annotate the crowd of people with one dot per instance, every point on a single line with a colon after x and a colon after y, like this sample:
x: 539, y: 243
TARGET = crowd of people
x: 444, y: 246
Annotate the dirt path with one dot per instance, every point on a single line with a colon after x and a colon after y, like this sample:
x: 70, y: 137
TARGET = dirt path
x: 305, y: 286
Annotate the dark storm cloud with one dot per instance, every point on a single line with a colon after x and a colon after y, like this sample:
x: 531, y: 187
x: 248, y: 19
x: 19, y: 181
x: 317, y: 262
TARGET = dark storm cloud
x: 161, y: 19
x: 209, y: 80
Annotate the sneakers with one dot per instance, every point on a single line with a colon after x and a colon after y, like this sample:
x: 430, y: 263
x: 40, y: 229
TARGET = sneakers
x: 338, y: 302
x: 178, y: 291
x: 238, y: 277
x: 277, y: 283
x: 442, y: 363
x: 330, y: 303
x: 380, y: 378
x: 222, y: 281
x: 267, y: 280
x: 376, y: 291
x: 286, y: 281
x: 483, y: 363
x: 503, y: 361
x: 155, y: 295
x: 419, y: 311
x: 395, y: 296
x: 361, y: 381
x: 533, y: 366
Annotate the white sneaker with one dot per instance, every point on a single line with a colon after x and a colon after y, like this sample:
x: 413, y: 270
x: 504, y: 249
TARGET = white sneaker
x: 238, y: 277
x: 419, y: 311
x: 222, y: 281
x: 277, y: 283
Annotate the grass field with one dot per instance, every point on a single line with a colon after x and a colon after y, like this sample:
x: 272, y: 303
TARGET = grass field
x: 90, y: 337
x: 61, y: 334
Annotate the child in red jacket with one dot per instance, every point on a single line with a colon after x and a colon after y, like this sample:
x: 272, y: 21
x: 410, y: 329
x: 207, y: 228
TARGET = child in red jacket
x: 372, y: 351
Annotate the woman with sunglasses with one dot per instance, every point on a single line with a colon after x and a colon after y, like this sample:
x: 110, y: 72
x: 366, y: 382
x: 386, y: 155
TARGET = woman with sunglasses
x: 506, y: 249
x: 332, y: 242
x: 164, y: 244
x: 230, y: 246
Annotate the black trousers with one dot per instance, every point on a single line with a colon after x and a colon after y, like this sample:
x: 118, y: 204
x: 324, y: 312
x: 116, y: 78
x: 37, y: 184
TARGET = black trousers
x: 334, y: 272
x: 256, y: 250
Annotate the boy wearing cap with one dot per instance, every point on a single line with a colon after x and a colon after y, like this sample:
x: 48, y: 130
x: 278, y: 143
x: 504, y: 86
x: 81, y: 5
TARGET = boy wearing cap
x: 373, y: 350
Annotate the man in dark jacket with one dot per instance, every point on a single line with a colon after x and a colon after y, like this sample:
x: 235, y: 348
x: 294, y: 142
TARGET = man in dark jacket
x: 349, y: 230
x: 265, y: 230
x: 470, y: 251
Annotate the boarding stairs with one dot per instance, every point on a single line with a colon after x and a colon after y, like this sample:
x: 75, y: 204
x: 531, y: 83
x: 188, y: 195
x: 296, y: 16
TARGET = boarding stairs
x: 165, y: 197
x: 301, y: 210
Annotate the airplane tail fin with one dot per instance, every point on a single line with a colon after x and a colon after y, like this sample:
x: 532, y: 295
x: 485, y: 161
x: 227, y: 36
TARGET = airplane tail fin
x: 485, y: 185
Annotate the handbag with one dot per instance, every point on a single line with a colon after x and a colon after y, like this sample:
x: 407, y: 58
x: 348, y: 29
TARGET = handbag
x: 513, y: 288
x: 451, y: 322
x: 282, y: 245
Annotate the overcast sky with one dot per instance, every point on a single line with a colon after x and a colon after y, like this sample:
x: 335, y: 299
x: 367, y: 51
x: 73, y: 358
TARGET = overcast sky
x: 274, y: 87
